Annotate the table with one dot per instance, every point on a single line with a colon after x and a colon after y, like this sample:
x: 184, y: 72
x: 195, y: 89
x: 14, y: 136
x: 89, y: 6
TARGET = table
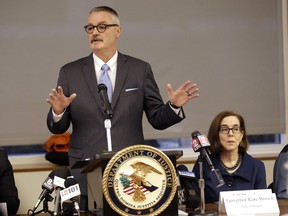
x: 283, y: 206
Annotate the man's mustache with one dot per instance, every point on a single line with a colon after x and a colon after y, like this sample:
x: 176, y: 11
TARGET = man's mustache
x: 96, y: 38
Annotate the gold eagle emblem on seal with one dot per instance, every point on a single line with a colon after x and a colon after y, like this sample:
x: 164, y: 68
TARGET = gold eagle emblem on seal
x: 139, y: 180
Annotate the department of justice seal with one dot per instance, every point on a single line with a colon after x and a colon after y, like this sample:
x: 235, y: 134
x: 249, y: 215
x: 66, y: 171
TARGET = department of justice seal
x: 139, y: 180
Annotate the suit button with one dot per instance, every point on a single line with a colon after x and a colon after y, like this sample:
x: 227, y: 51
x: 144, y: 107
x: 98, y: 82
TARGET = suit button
x: 230, y: 184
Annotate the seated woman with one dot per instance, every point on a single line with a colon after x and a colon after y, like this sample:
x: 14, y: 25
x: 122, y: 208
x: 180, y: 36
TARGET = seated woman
x: 229, y: 144
x: 8, y: 190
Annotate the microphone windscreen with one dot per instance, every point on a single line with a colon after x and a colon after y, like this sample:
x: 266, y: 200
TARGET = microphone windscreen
x: 181, y: 167
x: 60, y: 176
x: 48, y: 183
x: 52, y: 174
x: 63, y: 172
x: 183, y: 172
x: 195, y: 133
x: 102, y: 86
x: 70, y: 181
x: 71, y: 191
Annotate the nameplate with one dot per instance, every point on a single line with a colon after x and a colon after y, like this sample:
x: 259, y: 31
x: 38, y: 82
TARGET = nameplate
x: 248, y: 202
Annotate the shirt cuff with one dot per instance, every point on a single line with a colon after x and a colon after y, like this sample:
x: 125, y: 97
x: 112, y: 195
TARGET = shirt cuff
x: 178, y: 110
x: 56, y: 117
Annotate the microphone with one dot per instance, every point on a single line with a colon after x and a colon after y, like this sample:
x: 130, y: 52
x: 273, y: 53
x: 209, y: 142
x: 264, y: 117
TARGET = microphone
x: 71, y: 193
x: 59, y: 179
x: 47, y: 187
x: 200, y: 143
x: 102, y: 89
x: 183, y: 172
x: 187, y: 194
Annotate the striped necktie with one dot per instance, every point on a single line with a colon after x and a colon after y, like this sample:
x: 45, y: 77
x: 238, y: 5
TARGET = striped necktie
x: 105, y: 79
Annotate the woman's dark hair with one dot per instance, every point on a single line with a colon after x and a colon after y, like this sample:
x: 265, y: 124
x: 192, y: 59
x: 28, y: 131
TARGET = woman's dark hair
x: 213, y: 133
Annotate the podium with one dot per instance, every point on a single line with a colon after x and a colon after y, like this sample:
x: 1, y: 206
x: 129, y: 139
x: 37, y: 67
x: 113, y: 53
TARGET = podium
x: 100, y: 162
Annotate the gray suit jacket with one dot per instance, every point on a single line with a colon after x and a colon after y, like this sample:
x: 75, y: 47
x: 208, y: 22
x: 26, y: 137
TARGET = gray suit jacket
x: 135, y: 91
x: 280, y: 174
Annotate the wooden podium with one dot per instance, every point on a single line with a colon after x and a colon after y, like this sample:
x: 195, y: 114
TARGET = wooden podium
x: 98, y: 165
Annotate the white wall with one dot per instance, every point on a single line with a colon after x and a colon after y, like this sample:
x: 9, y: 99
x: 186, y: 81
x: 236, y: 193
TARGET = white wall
x: 202, y: 41
x: 29, y: 188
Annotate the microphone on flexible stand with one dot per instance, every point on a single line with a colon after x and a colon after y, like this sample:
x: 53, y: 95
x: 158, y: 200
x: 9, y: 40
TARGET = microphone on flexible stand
x: 102, y: 89
x: 71, y: 194
x: 48, y: 188
x: 200, y: 143
x: 186, y: 192
x: 59, y: 179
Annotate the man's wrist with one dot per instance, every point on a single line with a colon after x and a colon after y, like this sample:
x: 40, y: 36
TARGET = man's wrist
x: 57, y: 117
x: 174, y: 106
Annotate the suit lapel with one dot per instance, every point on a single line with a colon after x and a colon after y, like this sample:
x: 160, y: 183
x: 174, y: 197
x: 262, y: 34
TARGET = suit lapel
x: 122, y: 71
x: 90, y: 76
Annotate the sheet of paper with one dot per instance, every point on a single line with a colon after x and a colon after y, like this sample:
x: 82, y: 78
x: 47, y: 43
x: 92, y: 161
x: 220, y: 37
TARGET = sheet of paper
x: 3, y: 209
x: 181, y: 213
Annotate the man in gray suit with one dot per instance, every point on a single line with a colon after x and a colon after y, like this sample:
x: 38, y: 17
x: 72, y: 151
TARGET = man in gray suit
x: 76, y: 99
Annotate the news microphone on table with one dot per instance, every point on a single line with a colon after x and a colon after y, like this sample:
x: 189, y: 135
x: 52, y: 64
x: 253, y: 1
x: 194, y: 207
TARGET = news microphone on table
x: 71, y: 193
x: 186, y: 193
x: 47, y: 187
x: 200, y: 143
x: 102, y: 89
x: 59, y: 179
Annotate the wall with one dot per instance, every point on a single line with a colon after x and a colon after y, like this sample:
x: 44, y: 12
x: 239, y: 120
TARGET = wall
x: 202, y: 41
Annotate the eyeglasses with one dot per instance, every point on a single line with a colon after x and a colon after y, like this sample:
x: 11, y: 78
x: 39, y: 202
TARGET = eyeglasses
x: 226, y: 130
x: 100, y: 28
